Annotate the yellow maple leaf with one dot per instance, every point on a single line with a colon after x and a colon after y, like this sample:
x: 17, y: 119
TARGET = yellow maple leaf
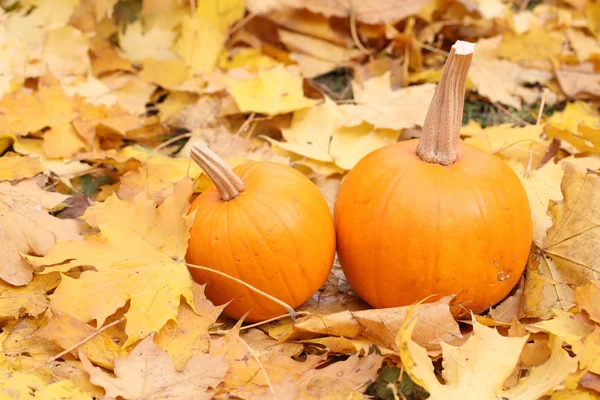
x: 188, y: 334
x: 521, y: 144
x: 30, y: 299
x: 343, y: 145
x: 138, y: 42
x: 570, y: 250
x: 577, y: 125
x: 134, y: 257
x: 148, y: 372
x: 533, y: 49
x: 31, y: 229
x: 65, y: 52
x: 247, y: 58
x: 382, y: 107
x: 486, y: 67
x: 203, y: 34
x: 18, y: 385
x: 543, y: 185
x: 102, y: 348
x: 478, y: 368
x: 12, y: 168
x: 563, y: 325
x: 274, y: 91
x: 156, y: 175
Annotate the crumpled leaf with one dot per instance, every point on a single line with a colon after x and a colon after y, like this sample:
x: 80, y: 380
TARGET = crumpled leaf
x: 381, y: 326
x: 478, y: 368
x: 571, y: 247
x: 134, y: 257
x: 382, y: 107
x: 274, y: 91
x: 31, y: 299
x: 149, y: 373
x: 27, y: 228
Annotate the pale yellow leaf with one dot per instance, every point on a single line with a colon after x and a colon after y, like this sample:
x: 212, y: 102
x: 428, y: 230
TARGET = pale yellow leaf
x: 27, y: 228
x: 149, y: 373
x: 382, y: 107
x: 17, y: 168
x: 16, y: 301
x: 66, y: 52
x: 139, y: 43
x: 134, y: 257
x: 274, y: 91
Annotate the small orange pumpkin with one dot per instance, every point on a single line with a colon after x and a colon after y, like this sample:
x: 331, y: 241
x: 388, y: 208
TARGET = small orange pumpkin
x: 266, y: 224
x: 434, y: 216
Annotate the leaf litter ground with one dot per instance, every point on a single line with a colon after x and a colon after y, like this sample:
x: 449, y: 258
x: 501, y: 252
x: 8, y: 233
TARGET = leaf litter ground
x: 100, y: 102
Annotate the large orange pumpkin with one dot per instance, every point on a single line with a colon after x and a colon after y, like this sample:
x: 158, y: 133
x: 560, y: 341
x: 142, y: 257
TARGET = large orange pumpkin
x: 432, y: 216
x: 266, y: 224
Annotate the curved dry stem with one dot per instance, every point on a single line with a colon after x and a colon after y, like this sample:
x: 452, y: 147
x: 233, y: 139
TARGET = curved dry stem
x: 266, y: 321
x: 283, y: 304
x: 439, y: 140
x: 76, y: 345
x: 227, y: 182
x: 260, y: 364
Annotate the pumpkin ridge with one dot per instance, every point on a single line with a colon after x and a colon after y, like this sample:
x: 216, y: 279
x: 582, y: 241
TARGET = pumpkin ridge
x: 381, y: 219
x: 302, y: 266
x: 240, y: 270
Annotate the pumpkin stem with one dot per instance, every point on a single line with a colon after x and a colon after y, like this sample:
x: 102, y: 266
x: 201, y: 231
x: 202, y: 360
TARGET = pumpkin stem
x: 441, y: 130
x: 227, y: 182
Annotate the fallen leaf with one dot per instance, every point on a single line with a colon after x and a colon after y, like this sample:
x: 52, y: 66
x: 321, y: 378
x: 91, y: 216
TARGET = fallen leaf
x: 543, y: 185
x: 149, y: 373
x: 134, y: 257
x: 535, y: 48
x: 66, y: 51
x: 563, y: 325
x: 66, y: 331
x: 317, y: 48
x: 17, y: 168
x: 584, y: 45
x: 201, y: 48
x: 17, y: 301
x: 510, y: 308
x: 381, y: 326
x: 274, y: 91
x: 368, y: 11
x: 586, y: 298
x: 382, y: 107
x: 138, y: 43
x: 22, y: 343
x: 486, y: 67
x: 521, y: 144
x: 479, y: 367
x: 570, y: 248
x: 578, y: 79
x: 30, y: 228
x: 188, y: 335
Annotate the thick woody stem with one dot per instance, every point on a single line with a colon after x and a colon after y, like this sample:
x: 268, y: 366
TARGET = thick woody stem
x: 227, y: 182
x: 441, y: 130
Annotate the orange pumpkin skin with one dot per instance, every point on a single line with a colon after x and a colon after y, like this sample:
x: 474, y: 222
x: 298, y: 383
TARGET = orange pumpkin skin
x: 277, y: 236
x: 408, y: 229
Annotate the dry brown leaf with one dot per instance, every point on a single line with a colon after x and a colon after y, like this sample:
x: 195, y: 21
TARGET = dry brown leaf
x: 510, y: 309
x: 148, y: 372
x: 578, y: 79
x: 27, y: 228
x: 381, y: 326
x: 586, y: 297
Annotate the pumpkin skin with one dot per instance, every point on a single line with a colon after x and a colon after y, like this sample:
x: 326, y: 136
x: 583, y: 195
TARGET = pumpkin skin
x: 277, y: 236
x: 408, y: 229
